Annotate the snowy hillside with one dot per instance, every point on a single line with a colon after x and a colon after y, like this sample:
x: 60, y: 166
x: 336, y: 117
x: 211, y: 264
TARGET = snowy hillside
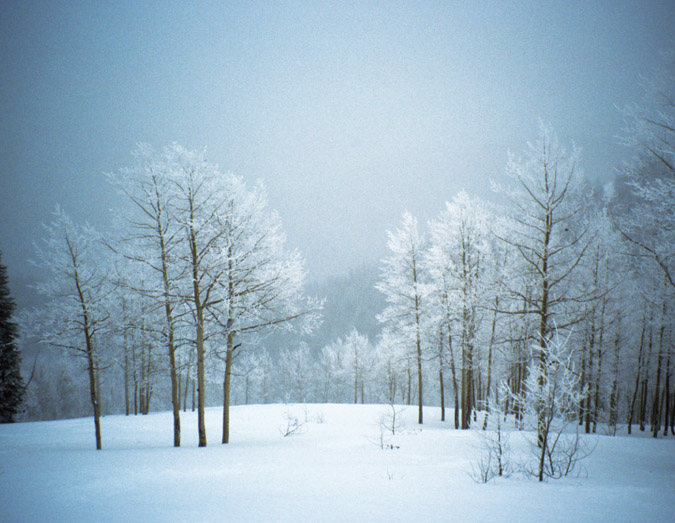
x: 332, y: 469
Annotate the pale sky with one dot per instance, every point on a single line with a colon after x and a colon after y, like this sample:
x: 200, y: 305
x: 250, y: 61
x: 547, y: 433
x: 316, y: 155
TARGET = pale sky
x: 350, y: 112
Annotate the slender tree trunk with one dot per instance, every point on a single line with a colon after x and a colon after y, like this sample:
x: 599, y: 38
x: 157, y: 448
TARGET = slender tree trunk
x: 201, y: 382
x: 136, y: 394
x: 662, y: 404
x: 440, y: 374
x: 173, y: 371
x: 93, y: 388
x: 175, y: 391
x: 141, y: 399
x: 582, y: 383
x: 644, y: 391
x: 148, y: 375
x: 474, y: 401
x: 467, y: 386
x: 229, y: 358
x: 94, y: 392
x: 92, y: 367
x: 614, y: 393
x: 139, y: 369
x: 180, y: 389
x: 596, y: 386
x: 127, y: 406
x: 143, y: 368
x: 489, y: 364
x: 666, y: 406
x: 409, y: 401
x: 356, y: 383
x: 187, y: 388
x: 464, y: 393
x: 656, y: 408
x: 442, y: 387
x: 542, y: 454
x: 168, y: 312
x: 631, y: 410
x: 454, y: 378
x: 591, y: 358
x: 643, y: 406
x: 199, y: 313
x: 418, y: 343
x: 464, y: 396
x: 521, y: 359
x: 522, y: 376
x: 543, y: 327
x: 98, y: 388
x: 467, y: 348
x: 194, y: 394
x: 666, y: 394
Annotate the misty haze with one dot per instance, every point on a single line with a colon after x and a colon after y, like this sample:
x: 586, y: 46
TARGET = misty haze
x: 318, y: 261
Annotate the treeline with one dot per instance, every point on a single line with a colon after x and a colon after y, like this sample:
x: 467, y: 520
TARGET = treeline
x: 196, y: 270
x: 488, y: 295
x: 478, y: 302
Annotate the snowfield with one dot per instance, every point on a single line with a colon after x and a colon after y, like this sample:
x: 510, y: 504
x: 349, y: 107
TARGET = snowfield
x: 332, y: 469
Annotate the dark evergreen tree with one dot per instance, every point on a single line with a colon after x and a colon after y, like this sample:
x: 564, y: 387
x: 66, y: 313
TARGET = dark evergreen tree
x: 11, y: 384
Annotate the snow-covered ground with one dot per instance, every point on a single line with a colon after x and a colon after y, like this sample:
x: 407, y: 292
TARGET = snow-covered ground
x: 332, y: 470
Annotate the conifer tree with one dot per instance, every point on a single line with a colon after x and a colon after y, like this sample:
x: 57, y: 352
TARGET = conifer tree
x: 11, y: 384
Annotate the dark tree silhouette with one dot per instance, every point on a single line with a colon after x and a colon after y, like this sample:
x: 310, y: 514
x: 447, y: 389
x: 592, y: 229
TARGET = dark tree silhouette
x: 11, y: 384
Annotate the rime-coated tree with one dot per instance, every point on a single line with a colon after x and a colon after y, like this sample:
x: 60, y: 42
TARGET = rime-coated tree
x: 140, y: 333
x: 77, y: 315
x: 358, y: 353
x: 648, y: 311
x: 389, y: 370
x: 333, y: 368
x: 11, y: 384
x: 262, y: 284
x: 249, y: 375
x: 494, y: 459
x: 599, y: 278
x: 548, y: 238
x: 550, y: 401
x: 650, y: 133
x: 150, y: 240
x: 199, y: 201
x: 403, y: 286
x: 456, y: 261
x: 648, y: 227
x: 228, y: 262
x: 297, y: 372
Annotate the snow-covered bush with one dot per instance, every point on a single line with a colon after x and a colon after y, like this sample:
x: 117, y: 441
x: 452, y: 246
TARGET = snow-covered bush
x: 494, y: 457
x: 550, y: 402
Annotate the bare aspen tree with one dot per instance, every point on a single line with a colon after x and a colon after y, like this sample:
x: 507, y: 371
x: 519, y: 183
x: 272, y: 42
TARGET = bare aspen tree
x: 77, y: 315
x: 199, y: 200
x: 548, y: 237
x: 456, y: 261
x: 153, y: 235
x: 403, y: 285
x: 261, y: 286
x: 649, y: 226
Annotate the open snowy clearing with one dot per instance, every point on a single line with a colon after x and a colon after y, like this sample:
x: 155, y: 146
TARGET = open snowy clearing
x: 333, y: 469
